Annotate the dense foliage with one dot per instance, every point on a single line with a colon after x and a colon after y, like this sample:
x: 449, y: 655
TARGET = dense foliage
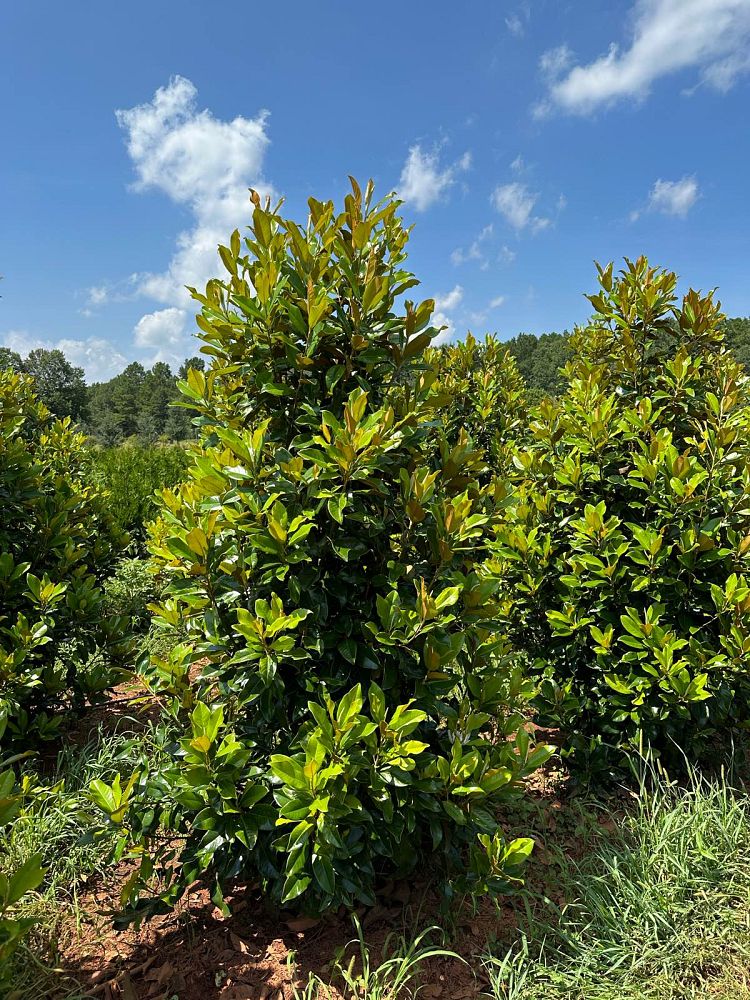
x: 141, y: 402
x: 14, y: 884
x: 131, y: 475
x: 356, y: 709
x: 624, y: 548
x: 737, y: 338
x: 57, y: 383
x: 540, y: 361
x: 130, y: 591
x: 481, y: 395
x: 56, y: 541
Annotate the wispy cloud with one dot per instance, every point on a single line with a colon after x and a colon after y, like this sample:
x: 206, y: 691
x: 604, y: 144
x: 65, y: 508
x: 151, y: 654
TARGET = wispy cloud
x: 97, y: 295
x: 424, y: 181
x: 515, y: 202
x: 475, y: 250
x: 554, y: 62
x: 710, y: 37
x: 670, y: 198
x: 518, y: 20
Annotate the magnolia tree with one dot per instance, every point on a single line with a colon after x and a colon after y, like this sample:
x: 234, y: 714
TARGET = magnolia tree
x: 625, y: 547
x: 346, y: 702
x: 57, y: 542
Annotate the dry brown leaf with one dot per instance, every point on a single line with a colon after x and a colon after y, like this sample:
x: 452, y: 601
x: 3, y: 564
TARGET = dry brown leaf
x: 126, y: 987
x: 238, y: 944
x: 237, y: 992
x: 160, y: 974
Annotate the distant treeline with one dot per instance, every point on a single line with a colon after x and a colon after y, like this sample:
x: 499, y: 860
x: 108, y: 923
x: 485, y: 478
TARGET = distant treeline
x: 137, y: 402
x: 540, y: 359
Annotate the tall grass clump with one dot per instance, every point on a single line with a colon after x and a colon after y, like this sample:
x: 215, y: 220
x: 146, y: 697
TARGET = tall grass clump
x: 660, y: 910
x: 53, y: 830
x: 359, y: 977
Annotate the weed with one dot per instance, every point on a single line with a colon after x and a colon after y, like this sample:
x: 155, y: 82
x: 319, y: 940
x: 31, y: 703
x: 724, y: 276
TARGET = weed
x: 362, y: 980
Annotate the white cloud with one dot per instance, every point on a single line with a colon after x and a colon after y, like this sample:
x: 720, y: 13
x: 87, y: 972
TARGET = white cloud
x: 506, y: 255
x: 515, y: 202
x: 674, y: 197
x: 445, y: 304
x: 480, y: 317
x: 98, y: 357
x: 475, y: 250
x: 165, y: 333
x: 97, y: 295
x: 423, y: 181
x: 554, y: 62
x: 517, y: 21
x: 451, y: 299
x: 710, y: 37
x: 198, y: 161
x: 671, y: 197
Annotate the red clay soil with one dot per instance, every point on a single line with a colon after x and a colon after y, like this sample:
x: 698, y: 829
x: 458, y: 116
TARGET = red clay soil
x: 194, y: 953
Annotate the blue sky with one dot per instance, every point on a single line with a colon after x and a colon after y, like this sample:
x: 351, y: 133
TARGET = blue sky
x: 528, y: 139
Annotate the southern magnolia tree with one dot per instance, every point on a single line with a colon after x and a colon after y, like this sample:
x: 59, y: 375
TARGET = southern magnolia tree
x: 481, y: 393
x: 355, y: 706
x: 56, y: 543
x: 625, y: 546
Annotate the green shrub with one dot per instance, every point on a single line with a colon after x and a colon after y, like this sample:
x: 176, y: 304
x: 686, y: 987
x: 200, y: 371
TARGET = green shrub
x: 129, y: 591
x: 14, y: 884
x: 624, y: 548
x: 482, y: 395
x: 56, y: 541
x: 356, y: 709
x: 132, y: 475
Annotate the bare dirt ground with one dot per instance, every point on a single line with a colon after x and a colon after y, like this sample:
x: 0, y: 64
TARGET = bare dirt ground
x: 195, y: 953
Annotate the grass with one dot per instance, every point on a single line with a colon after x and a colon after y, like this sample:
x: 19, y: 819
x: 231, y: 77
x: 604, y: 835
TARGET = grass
x: 361, y: 979
x: 56, y: 824
x: 660, y: 911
